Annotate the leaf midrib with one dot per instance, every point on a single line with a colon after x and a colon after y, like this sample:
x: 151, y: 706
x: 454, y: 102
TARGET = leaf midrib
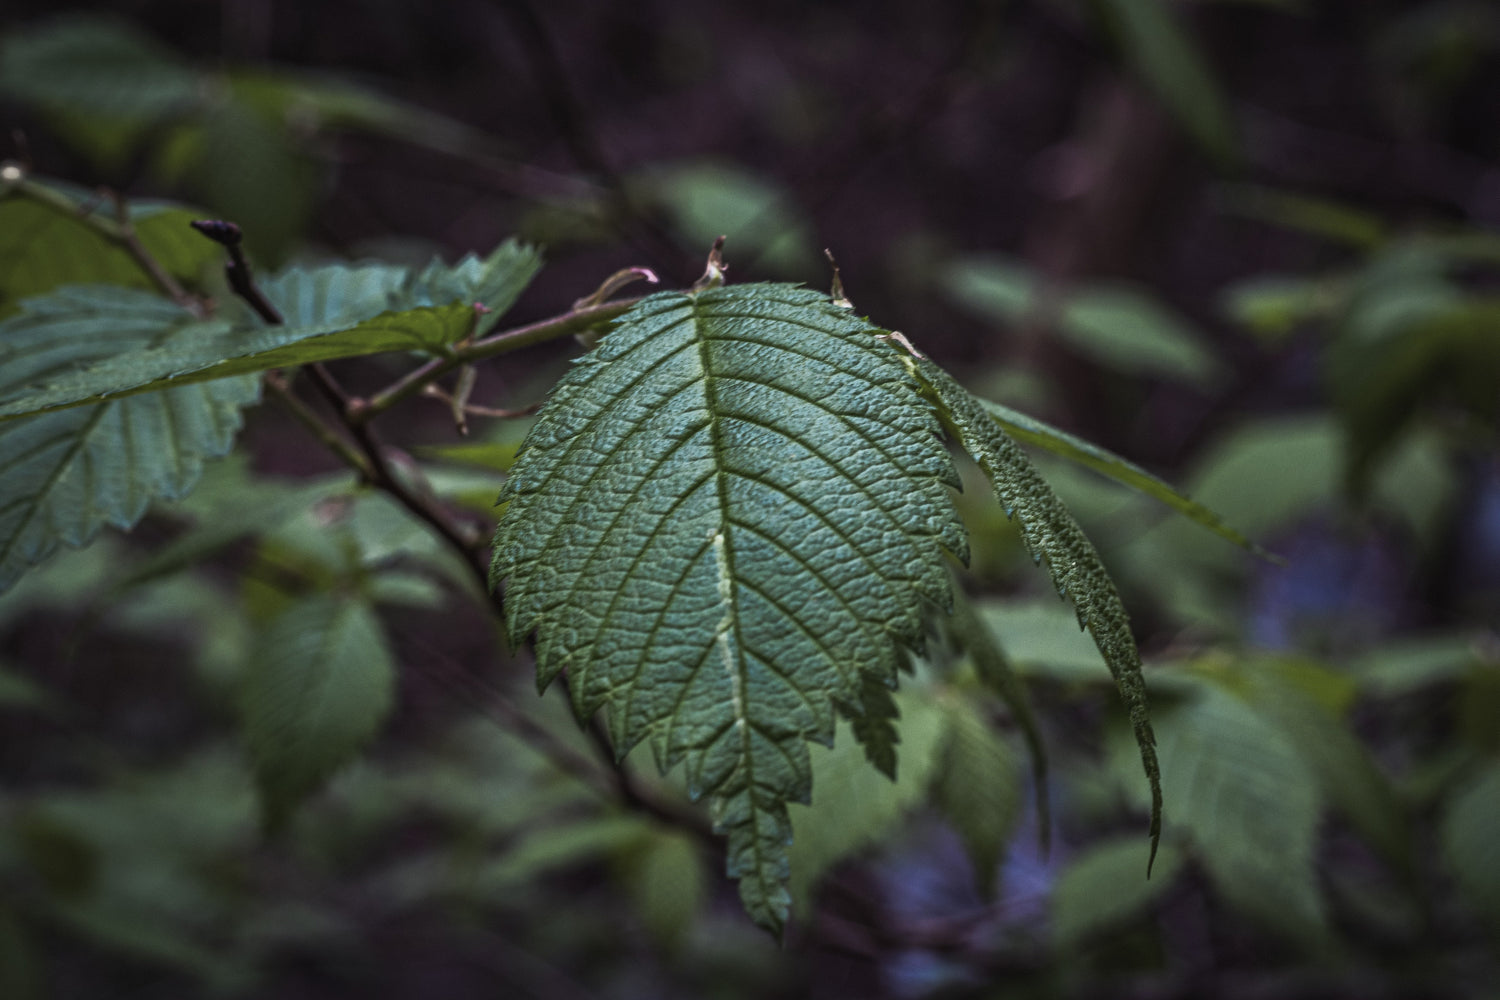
x: 724, y: 556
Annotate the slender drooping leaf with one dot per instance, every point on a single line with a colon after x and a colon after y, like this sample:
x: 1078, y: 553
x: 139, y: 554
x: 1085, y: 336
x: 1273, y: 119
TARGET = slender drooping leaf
x: 1030, y: 430
x: 1051, y: 535
x: 332, y: 312
x: 320, y: 684
x: 729, y: 513
x: 69, y: 473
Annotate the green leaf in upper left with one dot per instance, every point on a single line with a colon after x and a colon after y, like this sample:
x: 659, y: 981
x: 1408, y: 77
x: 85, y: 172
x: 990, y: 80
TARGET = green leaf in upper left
x: 69, y: 473
x: 335, y: 311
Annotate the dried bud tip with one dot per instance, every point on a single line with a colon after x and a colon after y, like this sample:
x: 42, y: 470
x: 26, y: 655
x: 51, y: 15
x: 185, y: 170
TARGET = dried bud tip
x: 713, y: 273
x: 837, y: 292
x: 224, y: 233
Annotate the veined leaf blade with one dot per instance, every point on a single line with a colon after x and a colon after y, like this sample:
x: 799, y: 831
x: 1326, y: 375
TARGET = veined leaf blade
x: 67, y: 474
x: 728, y: 514
x: 1052, y: 535
x: 333, y: 312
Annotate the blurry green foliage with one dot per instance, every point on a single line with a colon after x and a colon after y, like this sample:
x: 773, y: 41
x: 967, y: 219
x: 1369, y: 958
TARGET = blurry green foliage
x: 288, y: 604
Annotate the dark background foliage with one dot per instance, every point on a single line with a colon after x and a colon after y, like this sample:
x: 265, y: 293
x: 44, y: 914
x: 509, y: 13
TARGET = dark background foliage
x: 1252, y: 246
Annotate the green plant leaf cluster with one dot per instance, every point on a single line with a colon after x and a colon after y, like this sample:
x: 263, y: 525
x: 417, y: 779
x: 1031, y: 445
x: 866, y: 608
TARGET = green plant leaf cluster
x: 729, y: 513
x: 730, y: 518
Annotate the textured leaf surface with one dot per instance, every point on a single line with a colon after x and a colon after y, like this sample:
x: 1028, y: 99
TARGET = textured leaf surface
x: 1053, y: 536
x: 331, y: 312
x: 729, y: 512
x: 320, y: 685
x: 69, y: 473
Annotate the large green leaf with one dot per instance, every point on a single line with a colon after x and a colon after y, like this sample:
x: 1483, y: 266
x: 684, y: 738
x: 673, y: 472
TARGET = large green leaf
x: 332, y: 312
x: 321, y: 682
x: 69, y: 473
x: 1051, y: 535
x: 730, y: 513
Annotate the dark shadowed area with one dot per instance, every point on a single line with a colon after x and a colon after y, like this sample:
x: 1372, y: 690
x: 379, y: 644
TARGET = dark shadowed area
x: 1253, y: 246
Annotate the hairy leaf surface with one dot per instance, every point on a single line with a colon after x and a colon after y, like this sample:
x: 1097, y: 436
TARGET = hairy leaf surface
x: 729, y: 513
x: 1052, y: 535
x: 332, y: 312
x: 1029, y: 430
x: 69, y: 473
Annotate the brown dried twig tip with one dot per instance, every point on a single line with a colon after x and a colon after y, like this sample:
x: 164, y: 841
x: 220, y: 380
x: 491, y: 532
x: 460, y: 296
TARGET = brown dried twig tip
x: 713, y: 273
x: 837, y: 292
x: 237, y: 269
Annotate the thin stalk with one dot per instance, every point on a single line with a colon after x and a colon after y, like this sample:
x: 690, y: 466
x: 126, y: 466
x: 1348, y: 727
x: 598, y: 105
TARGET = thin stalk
x: 416, y: 380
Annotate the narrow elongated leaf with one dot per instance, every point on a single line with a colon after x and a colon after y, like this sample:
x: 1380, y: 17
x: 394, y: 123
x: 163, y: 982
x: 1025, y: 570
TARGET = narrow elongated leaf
x: 1052, y: 535
x: 69, y: 473
x: 332, y: 312
x: 1030, y: 430
x: 320, y: 685
x: 729, y: 513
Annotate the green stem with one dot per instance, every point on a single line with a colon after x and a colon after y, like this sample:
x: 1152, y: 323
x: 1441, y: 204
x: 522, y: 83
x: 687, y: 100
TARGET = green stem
x: 118, y: 231
x: 573, y: 321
